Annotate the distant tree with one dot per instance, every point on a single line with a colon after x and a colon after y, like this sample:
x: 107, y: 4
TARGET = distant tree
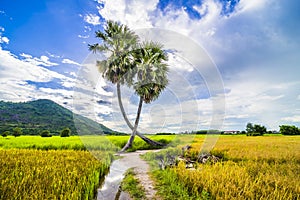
x: 65, y: 132
x: 255, y: 130
x: 17, y: 132
x: 289, y: 130
x: 5, y: 133
x: 46, y: 133
x: 249, y: 128
x: 260, y: 129
x: 201, y: 132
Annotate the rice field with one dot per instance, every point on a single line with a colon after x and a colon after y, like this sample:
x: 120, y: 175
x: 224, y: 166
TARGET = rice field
x: 33, y: 167
x: 38, y: 174
x: 251, y: 168
x: 268, y: 167
x: 88, y: 142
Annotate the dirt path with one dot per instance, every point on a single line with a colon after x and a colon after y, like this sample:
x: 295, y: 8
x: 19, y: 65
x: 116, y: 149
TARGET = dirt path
x: 141, y: 168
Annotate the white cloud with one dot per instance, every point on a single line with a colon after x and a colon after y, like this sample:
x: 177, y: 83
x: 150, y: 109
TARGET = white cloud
x: 68, y: 61
x: 83, y: 36
x: 42, y: 61
x: 2, y: 29
x: 254, y: 50
x: 295, y: 118
x: 4, y: 40
x: 15, y: 73
x: 136, y: 14
x: 178, y: 63
x: 245, y: 5
x: 52, y: 55
x: 92, y: 19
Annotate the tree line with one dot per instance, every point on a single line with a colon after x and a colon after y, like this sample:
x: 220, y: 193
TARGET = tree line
x: 251, y: 130
x: 17, y: 131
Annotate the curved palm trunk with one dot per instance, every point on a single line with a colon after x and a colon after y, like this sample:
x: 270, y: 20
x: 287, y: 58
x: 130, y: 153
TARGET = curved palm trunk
x: 131, y: 139
x: 148, y: 140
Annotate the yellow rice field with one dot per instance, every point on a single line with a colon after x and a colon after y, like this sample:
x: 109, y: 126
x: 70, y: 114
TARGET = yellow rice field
x: 253, y: 168
x: 37, y: 174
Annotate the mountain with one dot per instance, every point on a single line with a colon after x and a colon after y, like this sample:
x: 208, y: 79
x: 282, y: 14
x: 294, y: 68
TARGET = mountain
x: 36, y: 116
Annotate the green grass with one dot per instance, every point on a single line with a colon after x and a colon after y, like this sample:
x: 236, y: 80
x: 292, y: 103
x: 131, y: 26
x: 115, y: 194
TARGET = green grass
x: 42, y: 143
x: 89, y: 142
x: 131, y: 185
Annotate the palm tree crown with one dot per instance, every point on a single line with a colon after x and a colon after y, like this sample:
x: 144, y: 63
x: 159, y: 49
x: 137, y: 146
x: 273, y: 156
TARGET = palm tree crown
x: 151, y: 71
x: 117, y: 40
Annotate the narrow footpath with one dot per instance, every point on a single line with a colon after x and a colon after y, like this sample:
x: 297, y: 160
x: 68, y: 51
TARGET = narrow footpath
x: 141, y: 169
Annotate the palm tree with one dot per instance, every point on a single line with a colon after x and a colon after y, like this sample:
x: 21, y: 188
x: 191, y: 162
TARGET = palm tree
x: 118, y: 41
x: 151, y: 78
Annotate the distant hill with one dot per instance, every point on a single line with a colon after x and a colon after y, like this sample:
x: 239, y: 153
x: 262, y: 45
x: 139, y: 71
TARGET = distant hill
x: 36, y: 116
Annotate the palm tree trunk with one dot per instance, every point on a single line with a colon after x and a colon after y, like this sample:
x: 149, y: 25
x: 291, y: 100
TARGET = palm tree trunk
x: 131, y: 139
x: 147, y: 140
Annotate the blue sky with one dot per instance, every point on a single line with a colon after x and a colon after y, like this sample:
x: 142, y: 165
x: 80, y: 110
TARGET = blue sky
x: 252, y: 51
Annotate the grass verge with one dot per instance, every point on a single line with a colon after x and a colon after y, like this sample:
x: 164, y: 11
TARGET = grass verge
x: 131, y: 185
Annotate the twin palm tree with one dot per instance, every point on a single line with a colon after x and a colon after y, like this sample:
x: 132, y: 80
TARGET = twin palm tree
x: 141, y: 66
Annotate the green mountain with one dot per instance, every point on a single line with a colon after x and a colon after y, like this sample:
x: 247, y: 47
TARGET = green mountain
x: 36, y: 116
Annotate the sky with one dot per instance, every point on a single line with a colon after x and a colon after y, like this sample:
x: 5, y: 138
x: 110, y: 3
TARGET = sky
x: 231, y: 61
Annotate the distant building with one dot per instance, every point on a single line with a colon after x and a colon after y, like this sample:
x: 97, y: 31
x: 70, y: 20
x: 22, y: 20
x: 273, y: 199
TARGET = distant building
x: 231, y: 132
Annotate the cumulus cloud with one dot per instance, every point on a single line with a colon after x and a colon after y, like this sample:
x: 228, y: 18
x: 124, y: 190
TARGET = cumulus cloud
x: 92, y: 19
x: 15, y: 73
x: 42, y: 61
x: 256, y: 52
x: 19, y: 73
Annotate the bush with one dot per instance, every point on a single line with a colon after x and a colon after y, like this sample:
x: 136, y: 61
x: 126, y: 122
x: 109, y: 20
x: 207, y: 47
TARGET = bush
x: 255, y: 130
x: 65, y: 133
x: 289, y: 130
x: 5, y: 133
x: 165, y: 134
x: 17, y: 132
x: 46, y: 133
x: 253, y: 134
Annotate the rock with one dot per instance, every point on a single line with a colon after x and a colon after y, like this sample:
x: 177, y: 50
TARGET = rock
x: 185, y: 148
x: 207, y: 157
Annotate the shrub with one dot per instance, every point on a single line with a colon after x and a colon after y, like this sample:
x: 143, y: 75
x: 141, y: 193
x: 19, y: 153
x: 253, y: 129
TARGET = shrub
x: 253, y: 134
x: 17, y: 132
x: 5, y: 133
x: 65, y: 132
x: 46, y: 133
